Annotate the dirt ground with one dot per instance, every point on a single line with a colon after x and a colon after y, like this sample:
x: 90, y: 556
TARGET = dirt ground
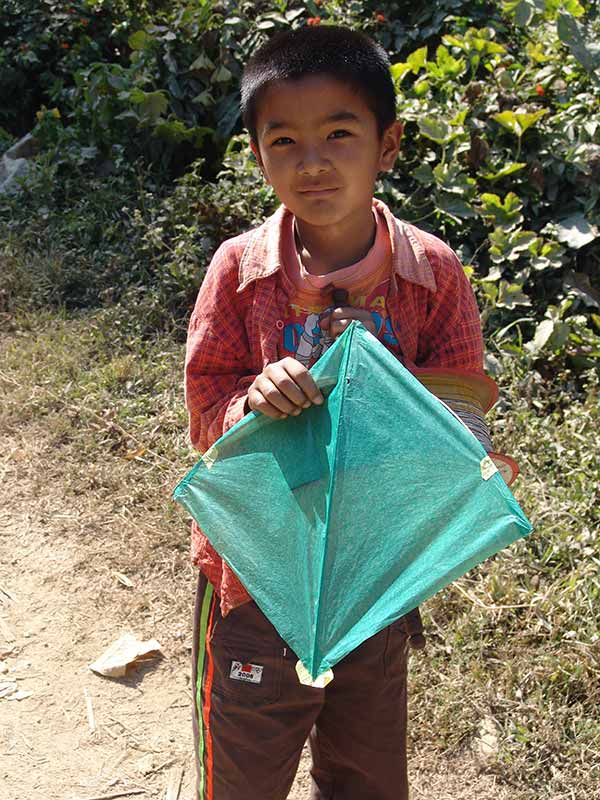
x: 74, y: 735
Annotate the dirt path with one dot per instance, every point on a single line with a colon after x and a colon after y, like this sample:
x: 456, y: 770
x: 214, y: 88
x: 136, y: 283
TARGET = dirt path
x: 60, y: 609
x: 61, y: 605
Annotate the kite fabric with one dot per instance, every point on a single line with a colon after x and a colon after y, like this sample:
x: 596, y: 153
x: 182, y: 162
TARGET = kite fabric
x: 344, y: 518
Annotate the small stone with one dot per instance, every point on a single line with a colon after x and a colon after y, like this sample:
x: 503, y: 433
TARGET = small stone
x: 10, y: 171
x: 3, y: 667
x: 146, y: 764
x: 486, y: 743
x: 24, y: 148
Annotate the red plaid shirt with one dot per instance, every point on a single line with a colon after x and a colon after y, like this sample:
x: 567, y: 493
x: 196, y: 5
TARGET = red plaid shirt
x: 235, y: 331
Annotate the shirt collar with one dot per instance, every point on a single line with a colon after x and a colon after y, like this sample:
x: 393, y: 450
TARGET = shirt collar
x: 262, y: 254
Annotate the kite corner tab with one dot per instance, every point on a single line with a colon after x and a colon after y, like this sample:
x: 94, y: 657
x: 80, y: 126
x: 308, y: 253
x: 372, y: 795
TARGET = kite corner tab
x: 488, y: 468
x: 210, y: 456
x: 320, y: 682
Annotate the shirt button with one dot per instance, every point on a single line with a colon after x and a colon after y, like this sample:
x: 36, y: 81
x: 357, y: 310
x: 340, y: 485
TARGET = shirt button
x: 279, y: 324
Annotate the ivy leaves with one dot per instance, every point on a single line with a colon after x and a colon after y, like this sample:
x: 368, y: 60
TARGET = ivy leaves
x: 501, y: 157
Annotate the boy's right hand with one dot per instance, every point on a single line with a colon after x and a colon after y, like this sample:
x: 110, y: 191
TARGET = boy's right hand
x: 282, y: 389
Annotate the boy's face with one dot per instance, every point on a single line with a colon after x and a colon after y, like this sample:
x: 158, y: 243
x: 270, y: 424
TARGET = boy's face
x: 318, y: 146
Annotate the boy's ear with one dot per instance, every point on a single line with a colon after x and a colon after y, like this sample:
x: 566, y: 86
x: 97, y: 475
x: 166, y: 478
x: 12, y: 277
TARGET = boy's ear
x: 390, y: 145
x: 258, y: 157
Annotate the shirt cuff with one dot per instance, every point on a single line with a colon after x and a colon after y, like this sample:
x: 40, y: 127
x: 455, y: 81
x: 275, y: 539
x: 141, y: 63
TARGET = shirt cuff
x: 235, y: 412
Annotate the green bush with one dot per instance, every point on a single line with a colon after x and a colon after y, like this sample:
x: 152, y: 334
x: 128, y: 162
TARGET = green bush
x: 502, y: 156
x: 118, y: 240
x: 161, y: 80
x: 501, y: 152
x: 42, y: 45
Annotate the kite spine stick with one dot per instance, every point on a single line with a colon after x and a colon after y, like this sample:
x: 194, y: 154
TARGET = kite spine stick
x: 341, y: 379
x: 210, y: 456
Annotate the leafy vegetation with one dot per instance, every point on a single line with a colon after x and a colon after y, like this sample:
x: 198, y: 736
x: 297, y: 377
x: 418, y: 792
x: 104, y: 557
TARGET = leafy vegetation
x: 143, y: 169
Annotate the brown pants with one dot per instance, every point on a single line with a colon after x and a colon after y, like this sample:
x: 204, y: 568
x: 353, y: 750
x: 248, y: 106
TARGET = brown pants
x: 252, y: 716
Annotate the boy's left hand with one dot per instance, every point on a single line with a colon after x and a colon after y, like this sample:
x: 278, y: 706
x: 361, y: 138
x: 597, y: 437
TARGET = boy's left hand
x: 339, y: 319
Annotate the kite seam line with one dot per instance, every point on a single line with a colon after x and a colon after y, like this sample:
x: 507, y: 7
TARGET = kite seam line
x: 343, y: 383
x: 210, y: 456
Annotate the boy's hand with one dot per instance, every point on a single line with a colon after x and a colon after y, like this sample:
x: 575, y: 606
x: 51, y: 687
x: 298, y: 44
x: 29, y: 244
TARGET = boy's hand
x: 339, y: 319
x: 283, y: 388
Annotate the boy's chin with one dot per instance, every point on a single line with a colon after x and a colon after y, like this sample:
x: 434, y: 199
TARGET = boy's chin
x: 318, y: 214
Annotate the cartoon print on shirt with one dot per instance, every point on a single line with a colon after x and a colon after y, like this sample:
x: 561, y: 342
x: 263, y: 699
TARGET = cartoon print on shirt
x: 388, y: 333
x: 308, y: 341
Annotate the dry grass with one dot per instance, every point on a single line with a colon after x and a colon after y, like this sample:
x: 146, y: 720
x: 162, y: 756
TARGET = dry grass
x: 106, y: 425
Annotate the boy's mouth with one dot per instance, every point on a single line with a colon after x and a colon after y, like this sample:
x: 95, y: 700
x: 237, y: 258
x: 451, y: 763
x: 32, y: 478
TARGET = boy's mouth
x: 321, y: 191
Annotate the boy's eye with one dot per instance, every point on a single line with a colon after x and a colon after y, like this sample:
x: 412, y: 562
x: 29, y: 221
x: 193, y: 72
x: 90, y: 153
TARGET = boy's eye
x: 339, y: 134
x: 282, y: 140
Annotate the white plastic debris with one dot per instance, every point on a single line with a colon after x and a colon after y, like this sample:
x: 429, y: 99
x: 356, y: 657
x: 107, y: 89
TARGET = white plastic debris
x: 9, y: 690
x: 125, y: 651
x: 20, y: 694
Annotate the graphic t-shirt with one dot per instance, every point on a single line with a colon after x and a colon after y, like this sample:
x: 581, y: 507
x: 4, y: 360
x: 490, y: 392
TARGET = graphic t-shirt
x: 367, y: 283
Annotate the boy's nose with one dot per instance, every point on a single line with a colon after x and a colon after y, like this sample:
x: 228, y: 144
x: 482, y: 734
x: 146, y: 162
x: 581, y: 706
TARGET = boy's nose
x: 312, y: 163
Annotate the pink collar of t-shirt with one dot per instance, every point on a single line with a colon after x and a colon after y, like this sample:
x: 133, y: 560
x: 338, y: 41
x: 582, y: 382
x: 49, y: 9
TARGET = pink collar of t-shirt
x: 345, y: 278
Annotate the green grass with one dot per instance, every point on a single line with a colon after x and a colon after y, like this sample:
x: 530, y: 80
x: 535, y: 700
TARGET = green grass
x: 96, y: 384
x: 516, y: 640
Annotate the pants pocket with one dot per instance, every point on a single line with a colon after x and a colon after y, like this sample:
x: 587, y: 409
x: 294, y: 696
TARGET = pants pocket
x: 247, y: 655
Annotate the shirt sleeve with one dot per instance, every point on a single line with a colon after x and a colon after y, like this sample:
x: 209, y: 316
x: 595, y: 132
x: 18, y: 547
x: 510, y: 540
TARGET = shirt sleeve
x: 218, y: 362
x: 451, y: 335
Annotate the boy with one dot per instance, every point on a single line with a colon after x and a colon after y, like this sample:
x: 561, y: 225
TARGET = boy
x: 320, y: 108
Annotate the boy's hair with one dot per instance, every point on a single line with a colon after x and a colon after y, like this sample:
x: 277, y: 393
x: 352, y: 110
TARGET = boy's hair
x: 337, y: 52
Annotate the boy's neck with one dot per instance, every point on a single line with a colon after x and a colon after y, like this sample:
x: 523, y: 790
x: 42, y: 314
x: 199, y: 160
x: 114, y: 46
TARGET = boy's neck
x: 326, y: 248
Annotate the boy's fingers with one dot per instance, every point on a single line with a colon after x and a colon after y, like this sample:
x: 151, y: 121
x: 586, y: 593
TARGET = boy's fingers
x: 349, y: 313
x: 305, y: 381
x: 265, y: 397
x: 269, y: 388
x: 342, y: 312
x: 284, y: 388
x: 283, y: 377
x: 345, y: 312
x: 341, y: 317
x: 258, y: 403
x: 338, y: 326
